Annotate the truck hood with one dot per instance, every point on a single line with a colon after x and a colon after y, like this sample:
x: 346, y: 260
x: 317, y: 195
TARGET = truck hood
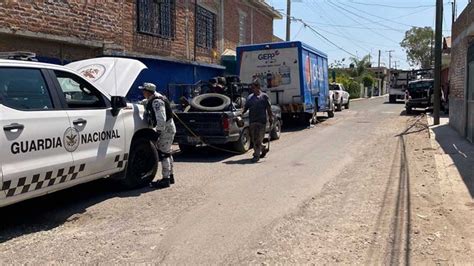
x: 112, y: 74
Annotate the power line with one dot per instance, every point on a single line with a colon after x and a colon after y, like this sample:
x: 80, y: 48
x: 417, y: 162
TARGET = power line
x: 317, y: 33
x: 362, y: 17
x: 378, y: 33
x: 385, y: 19
x: 330, y: 20
x: 389, y: 6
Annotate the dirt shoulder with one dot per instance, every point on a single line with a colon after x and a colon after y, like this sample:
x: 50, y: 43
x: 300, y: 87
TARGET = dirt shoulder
x: 389, y: 206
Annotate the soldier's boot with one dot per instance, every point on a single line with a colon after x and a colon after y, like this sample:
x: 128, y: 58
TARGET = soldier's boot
x: 171, y: 179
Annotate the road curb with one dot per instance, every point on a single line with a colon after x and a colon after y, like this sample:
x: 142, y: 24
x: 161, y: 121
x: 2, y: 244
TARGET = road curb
x: 371, y: 98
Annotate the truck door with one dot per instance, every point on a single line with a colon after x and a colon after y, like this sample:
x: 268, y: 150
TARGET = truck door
x: 323, y: 83
x: 33, y: 126
x: 101, y: 139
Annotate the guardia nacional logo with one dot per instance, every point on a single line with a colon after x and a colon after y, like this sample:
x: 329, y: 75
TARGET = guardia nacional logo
x: 71, y: 139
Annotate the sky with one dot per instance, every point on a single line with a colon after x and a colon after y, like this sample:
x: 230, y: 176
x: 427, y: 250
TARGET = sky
x: 360, y: 27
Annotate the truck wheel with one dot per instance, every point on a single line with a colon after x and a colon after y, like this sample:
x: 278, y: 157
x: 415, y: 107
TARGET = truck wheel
x: 276, y: 131
x: 347, y: 104
x: 339, y: 107
x: 331, y: 111
x: 243, y: 144
x: 142, y: 165
x: 186, y: 148
x: 392, y: 98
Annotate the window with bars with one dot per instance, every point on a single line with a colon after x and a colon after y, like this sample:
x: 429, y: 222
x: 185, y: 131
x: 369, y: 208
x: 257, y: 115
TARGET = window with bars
x: 156, y: 17
x: 205, y: 28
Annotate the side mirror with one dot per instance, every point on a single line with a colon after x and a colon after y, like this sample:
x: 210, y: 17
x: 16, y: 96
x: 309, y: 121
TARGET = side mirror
x: 117, y: 103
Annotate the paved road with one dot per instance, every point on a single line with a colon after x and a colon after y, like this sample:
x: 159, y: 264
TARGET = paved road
x: 218, y: 204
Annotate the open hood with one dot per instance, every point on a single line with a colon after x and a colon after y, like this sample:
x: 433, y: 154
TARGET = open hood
x: 112, y: 74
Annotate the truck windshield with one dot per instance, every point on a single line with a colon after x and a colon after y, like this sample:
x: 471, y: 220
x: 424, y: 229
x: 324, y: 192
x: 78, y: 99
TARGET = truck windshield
x: 421, y: 85
x: 334, y: 87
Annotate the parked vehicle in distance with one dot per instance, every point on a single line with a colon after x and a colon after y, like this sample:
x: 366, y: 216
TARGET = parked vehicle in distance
x: 293, y: 74
x: 419, y: 95
x: 66, y: 125
x: 340, y: 95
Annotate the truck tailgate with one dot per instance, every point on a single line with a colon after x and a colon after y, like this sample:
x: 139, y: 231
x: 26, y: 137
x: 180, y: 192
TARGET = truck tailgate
x: 202, y: 123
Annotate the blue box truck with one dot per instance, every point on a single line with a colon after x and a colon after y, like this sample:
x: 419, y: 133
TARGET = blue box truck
x: 293, y: 74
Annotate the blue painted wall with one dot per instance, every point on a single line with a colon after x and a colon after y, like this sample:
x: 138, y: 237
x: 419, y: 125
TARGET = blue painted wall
x: 162, y: 73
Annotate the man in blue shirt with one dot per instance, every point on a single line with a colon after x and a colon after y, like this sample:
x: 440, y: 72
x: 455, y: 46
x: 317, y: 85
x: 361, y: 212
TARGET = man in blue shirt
x: 258, y: 103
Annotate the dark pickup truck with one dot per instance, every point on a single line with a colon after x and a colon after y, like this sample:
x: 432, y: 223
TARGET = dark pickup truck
x: 219, y: 128
x: 419, y: 94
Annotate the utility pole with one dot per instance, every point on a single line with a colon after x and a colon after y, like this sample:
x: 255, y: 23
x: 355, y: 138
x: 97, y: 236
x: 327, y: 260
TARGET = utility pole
x: 396, y: 63
x: 390, y: 58
x: 437, y: 69
x: 288, y: 20
x: 453, y: 7
x: 378, y: 76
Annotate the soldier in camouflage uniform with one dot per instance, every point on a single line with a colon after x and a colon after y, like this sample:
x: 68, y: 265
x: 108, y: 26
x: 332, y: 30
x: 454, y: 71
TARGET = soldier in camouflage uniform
x: 160, y: 116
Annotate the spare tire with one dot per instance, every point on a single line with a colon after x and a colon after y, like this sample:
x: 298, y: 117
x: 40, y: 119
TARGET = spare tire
x: 210, y: 102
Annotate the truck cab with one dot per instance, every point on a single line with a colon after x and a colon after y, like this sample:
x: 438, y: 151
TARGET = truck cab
x: 419, y: 94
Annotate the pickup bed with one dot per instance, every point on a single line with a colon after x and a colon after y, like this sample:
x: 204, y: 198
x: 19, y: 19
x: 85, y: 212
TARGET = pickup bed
x: 219, y: 128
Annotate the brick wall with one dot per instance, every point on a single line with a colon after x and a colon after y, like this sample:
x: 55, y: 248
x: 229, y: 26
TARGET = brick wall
x: 459, y: 51
x: 462, y: 37
x: 262, y: 24
x: 77, y: 29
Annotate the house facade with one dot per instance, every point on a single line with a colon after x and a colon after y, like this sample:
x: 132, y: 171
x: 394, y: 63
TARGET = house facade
x: 461, y: 74
x: 176, y: 30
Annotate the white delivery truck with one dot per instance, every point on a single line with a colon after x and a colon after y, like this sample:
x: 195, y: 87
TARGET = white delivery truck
x: 293, y: 74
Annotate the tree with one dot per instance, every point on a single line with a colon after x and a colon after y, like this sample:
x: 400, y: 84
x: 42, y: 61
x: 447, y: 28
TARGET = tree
x: 360, y: 65
x: 417, y: 44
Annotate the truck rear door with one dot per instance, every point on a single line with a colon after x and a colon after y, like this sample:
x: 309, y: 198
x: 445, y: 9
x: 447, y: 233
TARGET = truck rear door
x: 201, y: 123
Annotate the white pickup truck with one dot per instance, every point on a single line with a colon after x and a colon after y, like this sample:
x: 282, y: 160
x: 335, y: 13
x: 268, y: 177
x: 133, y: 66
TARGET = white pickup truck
x: 66, y: 125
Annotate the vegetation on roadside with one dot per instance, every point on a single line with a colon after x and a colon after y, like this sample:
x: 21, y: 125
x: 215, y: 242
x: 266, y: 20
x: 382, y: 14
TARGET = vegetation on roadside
x: 418, y: 43
x: 355, y: 76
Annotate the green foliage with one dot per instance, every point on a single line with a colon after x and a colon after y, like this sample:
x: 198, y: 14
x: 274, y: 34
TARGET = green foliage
x: 360, y: 66
x: 417, y: 43
x: 368, y: 81
x: 353, y: 89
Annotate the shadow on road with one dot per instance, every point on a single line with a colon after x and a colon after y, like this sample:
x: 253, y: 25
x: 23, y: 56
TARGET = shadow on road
x: 397, y: 102
x: 460, y: 151
x: 400, y: 224
x: 53, y: 210
x: 203, y: 155
x: 241, y: 161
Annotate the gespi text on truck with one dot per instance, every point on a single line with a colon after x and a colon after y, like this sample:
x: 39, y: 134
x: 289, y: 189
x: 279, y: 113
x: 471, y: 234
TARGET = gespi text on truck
x: 293, y: 74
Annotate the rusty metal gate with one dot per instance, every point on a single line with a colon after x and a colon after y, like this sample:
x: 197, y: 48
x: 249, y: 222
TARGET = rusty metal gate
x: 470, y: 94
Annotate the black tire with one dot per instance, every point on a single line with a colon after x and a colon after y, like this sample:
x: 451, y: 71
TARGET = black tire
x: 339, y: 106
x: 184, y: 148
x: 347, y: 104
x: 142, y: 165
x: 392, y: 98
x: 243, y: 144
x: 219, y: 102
x: 331, y: 111
x: 275, y: 133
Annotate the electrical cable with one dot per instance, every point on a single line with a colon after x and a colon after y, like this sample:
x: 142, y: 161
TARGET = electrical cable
x: 351, y: 18
x: 389, y: 6
x: 328, y: 19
